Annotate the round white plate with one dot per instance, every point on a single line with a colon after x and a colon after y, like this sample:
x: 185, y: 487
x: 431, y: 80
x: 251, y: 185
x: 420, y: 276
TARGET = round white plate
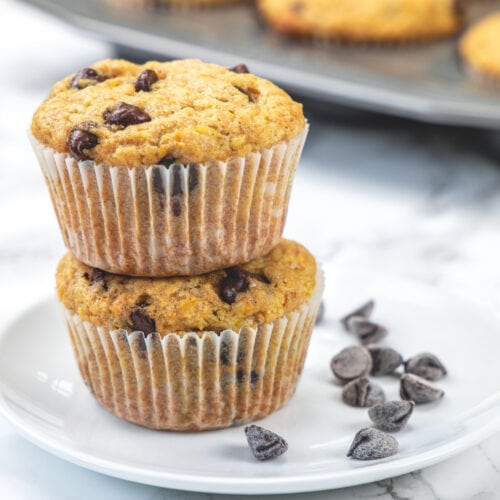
x: 42, y: 395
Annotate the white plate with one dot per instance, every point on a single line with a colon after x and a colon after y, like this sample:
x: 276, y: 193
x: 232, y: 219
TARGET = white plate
x: 42, y: 395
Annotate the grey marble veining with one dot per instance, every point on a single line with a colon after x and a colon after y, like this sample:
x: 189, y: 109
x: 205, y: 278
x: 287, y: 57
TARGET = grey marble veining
x: 408, y: 198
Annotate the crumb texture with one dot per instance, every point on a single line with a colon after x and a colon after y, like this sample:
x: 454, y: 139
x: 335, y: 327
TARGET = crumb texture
x: 193, y: 112
x: 265, y: 289
x: 365, y: 20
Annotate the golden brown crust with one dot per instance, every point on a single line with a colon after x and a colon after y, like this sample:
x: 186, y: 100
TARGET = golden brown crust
x: 198, y: 112
x: 278, y: 283
x: 364, y: 21
x: 480, y: 47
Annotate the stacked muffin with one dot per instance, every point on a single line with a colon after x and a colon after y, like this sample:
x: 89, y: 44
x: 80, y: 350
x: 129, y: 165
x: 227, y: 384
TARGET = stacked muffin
x: 170, y: 181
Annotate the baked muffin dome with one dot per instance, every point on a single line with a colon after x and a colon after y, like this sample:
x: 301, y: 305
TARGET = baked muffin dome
x: 160, y: 112
x: 246, y: 296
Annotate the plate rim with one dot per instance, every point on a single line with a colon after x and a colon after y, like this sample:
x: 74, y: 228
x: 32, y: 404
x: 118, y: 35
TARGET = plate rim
x: 316, y: 481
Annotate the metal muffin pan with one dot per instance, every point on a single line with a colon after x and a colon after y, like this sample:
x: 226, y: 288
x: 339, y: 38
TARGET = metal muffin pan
x: 422, y: 81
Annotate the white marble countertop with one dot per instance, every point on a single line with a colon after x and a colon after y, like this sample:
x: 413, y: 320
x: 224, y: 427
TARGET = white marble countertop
x: 409, y: 199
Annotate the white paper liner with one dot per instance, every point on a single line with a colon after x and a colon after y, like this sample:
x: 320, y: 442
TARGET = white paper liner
x: 177, y: 220
x: 195, y: 381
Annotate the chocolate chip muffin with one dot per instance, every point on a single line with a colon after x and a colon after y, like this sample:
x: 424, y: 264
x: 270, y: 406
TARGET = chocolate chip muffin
x: 194, y: 352
x: 393, y: 21
x: 480, y: 48
x: 168, y: 168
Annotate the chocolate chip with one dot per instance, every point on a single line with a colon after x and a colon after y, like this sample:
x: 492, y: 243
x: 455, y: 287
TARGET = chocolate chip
x: 141, y: 321
x: 167, y: 160
x: 124, y: 114
x: 384, y: 359
x: 264, y: 443
x: 86, y: 77
x: 81, y: 140
x: 254, y: 377
x: 391, y: 416
x: 144, y: 300
x: 364, y: 311
x: 240, y: 356
x: 140, y: 341
x: 362, y: 393
x: 366, y: 330
x: 240, y: 375
x: 414, y: 388
x: 458, y: 7
x: 426, y: 365
x: 177, y: 184
x: 97, y: 275
x: 350, y: 363
x: 252, y: 94
x: 145, y: 80
x: 239, y: 68
x: 225, y: 352
x: 158, y: 181
x: 236, y: 281
x: 192, y: 176
x: 177, y: 191
x: 372, y: 444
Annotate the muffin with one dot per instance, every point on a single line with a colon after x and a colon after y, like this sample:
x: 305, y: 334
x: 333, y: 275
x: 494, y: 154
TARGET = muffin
x: 165, y: 169
x: 393, y: 21
x: 194, y: 352
x: 121, y: 4
x: 480, y: 48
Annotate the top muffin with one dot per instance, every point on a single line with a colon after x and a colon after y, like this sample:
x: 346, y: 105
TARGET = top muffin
x: 122, y: 114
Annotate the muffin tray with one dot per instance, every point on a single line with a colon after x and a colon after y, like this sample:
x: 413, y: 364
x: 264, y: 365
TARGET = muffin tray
x: 421, y: 81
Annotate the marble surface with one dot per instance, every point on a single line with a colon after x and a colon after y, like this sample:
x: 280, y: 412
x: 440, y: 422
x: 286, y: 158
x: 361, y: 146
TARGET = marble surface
x: 410, y: 199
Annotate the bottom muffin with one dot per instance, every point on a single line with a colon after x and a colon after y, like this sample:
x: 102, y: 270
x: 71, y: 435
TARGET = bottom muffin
x: 194, y: 352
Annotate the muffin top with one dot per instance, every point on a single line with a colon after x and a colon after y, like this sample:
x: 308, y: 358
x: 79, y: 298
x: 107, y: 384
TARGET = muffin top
x: 257, y: 292
x: 480, y: 46
x: 122, y: 114
x: 364, y: 20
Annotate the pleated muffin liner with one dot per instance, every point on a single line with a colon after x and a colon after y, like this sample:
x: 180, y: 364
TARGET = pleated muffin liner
x: 197, y: 380
x: 175, y: 220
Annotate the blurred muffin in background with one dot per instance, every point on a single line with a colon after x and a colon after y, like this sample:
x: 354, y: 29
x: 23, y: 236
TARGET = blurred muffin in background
x: 480, y: 48
x: 391, y: 21
x: 123, y: 4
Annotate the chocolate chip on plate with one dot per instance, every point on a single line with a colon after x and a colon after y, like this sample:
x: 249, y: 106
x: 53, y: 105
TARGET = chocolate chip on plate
x: 426, y: 365
x: 239, y: 68
x: 391, y: 416
x: 371, y: 444
x: 141, y: 321
x: 264, y: 443
x: 86, y: 77
x: 81, y: 140
x: 363, y: 311
x: 385, y: 360
x: 145, y: 80
x: 366, y: 330
x: 417, y: 389
x: 350, y: 363
x: 362, y: 393
x: 125, y: 114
